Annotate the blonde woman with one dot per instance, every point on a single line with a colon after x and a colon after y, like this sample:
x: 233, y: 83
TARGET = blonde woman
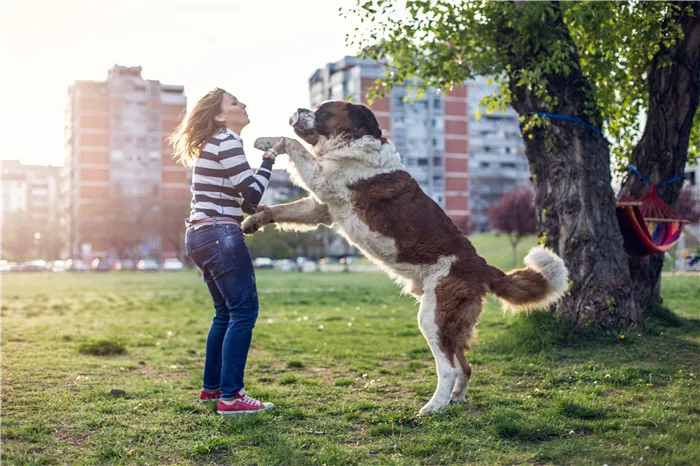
x: 223, y: 188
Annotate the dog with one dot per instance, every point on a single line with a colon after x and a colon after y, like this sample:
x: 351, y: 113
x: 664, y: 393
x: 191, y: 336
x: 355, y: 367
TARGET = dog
x: 359, y: 186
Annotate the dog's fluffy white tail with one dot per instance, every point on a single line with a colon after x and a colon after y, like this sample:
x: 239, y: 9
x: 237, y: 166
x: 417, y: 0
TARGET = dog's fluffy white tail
x: 542, y: 283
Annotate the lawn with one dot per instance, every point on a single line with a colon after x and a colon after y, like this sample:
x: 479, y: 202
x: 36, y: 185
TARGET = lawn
x: 341, y: 356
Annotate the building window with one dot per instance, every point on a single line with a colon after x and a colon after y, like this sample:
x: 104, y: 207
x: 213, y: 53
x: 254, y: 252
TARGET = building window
x: 423, y: 162
x: 507, y: 165
x: 437, y: 104
x: 484, y: 164
x: 437, y: 161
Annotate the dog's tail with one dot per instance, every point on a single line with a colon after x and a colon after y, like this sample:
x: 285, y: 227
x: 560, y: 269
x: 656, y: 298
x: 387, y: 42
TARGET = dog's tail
x: 542, y: 283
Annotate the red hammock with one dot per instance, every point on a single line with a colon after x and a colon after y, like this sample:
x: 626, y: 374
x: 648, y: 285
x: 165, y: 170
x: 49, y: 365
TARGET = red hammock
x: 648, y: 224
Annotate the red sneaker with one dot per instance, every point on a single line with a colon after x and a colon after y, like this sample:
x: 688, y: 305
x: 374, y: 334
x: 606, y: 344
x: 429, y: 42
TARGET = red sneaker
x: 243, y: 404
x: 208, y: 396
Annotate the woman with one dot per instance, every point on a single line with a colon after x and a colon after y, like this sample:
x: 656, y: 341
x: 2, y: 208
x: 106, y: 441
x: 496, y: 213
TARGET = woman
x: 223, y: 188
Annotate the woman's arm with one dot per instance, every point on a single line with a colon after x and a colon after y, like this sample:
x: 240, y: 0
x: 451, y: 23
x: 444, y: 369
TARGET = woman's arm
x: 250, y: 184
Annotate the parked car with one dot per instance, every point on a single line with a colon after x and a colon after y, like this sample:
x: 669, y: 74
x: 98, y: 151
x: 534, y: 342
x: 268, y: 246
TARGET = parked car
x: 58, y: 266
x: 5, y: 266
x: 125, y: 264
x: 263, y: 263
x: 328, y: 260
x: 34, y: 266
x: 100, y: 265
x: 149, y: 265
x: 286, y: 265
x: 172, y: 263
x: 76, y: 265
x: 309, y: 266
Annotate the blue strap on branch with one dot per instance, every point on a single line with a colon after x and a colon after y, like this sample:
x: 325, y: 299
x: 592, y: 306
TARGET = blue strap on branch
x: 672, y: 180
x: 571, y: 119
x: 631, y: 168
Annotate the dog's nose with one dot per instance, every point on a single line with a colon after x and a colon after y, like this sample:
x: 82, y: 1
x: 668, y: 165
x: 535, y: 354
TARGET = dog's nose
x: 294, y: 118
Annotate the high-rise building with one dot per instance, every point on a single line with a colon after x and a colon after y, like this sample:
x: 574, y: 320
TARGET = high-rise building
x: 30, y: 190
x: 444, y: 147
x: 497, y: 162
x: 115, y: 145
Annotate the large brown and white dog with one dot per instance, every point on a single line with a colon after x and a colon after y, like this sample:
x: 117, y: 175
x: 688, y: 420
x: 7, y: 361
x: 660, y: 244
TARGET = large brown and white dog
x: 358, y: 185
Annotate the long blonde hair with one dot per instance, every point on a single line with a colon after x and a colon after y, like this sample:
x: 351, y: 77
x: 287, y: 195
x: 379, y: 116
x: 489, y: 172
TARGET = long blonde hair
x: 198, y: 127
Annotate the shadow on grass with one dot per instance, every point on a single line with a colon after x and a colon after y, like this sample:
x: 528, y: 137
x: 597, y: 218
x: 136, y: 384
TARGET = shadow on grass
x: 664, y: 340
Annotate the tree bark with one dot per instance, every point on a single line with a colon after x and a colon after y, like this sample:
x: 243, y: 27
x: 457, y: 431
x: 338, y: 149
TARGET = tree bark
x: 661, y: 154
x: 574, y: 201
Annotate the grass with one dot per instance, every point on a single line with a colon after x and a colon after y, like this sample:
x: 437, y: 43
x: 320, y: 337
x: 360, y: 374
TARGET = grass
x: 342, y: 357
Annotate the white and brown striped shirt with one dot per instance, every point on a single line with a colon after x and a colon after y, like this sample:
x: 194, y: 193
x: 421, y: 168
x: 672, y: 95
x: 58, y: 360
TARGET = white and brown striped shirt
x: 223, y: 184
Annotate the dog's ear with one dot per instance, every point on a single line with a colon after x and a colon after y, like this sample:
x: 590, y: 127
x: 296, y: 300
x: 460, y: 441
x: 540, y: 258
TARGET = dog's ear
x: 364, y: 122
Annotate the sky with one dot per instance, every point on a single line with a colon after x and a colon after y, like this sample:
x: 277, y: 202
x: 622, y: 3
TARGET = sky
x: 262, y: 51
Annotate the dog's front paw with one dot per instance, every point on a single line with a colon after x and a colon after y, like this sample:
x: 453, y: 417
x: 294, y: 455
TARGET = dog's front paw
x: 255, y: 222
x: 264, y: 143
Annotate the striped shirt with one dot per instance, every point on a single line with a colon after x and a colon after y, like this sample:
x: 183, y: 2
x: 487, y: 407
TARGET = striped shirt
x: 223, y: 184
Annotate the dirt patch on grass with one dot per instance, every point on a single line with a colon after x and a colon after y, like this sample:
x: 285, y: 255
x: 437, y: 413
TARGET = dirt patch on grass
x: 78, y: 441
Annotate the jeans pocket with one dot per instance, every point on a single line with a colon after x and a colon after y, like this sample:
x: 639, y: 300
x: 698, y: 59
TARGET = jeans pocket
x: 210, y: 260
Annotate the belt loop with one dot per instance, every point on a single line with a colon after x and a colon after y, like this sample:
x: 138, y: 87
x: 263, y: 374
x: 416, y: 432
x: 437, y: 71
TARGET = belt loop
x: 214, y: 221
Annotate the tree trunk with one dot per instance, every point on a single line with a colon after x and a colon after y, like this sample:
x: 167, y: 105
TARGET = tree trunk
x: 662, y: 152
x: 574, y: 201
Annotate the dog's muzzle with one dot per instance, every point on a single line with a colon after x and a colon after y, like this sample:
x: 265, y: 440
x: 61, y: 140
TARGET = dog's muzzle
x: 294, y: 119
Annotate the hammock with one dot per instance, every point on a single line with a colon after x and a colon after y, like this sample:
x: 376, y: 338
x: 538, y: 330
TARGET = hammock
x: 648, y: 224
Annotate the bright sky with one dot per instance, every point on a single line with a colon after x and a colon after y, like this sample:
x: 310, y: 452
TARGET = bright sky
x: 262, y: 51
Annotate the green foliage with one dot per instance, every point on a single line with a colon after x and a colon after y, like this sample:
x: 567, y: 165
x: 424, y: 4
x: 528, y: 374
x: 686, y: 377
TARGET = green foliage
x: 442, y: 43
x: 277, y: 244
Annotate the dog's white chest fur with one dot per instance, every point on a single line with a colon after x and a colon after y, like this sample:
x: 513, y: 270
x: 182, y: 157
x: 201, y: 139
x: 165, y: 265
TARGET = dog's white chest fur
x: 338, y: 167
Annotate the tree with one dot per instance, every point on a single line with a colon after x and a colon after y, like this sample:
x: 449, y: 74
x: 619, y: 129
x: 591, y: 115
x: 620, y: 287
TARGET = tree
x: 514, y: 215
x: 18, y: 243
x: 278, y: 244
x: 173, y: 213
x: 123, y: 224
x: 586, y: 61
x: 688, y: 205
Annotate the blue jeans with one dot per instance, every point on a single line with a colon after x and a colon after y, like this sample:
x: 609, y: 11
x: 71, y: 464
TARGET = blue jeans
x: 221, y: 254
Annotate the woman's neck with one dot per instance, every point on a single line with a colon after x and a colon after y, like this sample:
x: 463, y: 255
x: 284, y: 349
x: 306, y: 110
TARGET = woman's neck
x: 235, y: 129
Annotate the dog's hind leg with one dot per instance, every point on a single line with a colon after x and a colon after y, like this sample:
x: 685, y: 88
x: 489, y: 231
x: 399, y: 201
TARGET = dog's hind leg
x: 459, y: 392
x: 446, y: 369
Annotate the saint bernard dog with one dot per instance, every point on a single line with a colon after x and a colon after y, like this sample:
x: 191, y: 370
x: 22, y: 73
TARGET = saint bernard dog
x: 359, y: 186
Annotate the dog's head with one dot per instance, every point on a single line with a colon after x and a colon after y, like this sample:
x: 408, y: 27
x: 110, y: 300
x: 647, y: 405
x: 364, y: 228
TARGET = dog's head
x: 335, y: 118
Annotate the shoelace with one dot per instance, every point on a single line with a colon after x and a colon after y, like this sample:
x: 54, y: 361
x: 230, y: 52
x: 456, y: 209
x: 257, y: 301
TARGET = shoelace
x: 246, y: 399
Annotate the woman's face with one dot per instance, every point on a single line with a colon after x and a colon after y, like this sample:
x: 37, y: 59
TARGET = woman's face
x: 233, y: 113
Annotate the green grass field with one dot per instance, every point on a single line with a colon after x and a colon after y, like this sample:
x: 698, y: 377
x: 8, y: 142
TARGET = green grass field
x: 342, y: 358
